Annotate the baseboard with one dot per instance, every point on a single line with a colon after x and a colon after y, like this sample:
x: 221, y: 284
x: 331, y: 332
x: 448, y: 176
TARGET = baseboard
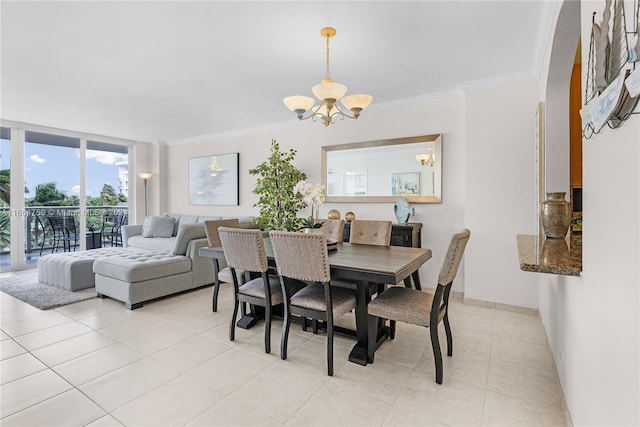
x: 499, y: 305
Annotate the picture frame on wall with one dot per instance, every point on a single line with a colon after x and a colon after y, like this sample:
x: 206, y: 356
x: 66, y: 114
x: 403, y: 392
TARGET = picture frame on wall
x: 213, y: 180
x: 405, y: 184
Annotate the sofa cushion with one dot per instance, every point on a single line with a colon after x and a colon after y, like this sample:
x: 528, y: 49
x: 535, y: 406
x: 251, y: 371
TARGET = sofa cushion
x: 136, y: 267
x: 158, y: 226
x: 158, y: 244
x: 187, y: 233
x: 208, y: 218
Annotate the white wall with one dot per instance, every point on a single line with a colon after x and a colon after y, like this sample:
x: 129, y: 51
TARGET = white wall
x: 440, y: 221
x: 593, y: 321
x: 499, y: 197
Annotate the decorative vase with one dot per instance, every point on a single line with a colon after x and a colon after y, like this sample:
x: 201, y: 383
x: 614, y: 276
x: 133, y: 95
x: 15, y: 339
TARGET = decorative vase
x: 349, y: 216
x: 402, y: 210
x: 556, y: 215
x: 333, y: 214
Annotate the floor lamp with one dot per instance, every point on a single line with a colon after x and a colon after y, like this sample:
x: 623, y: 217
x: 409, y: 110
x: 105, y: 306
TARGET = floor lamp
x: 145, y: 176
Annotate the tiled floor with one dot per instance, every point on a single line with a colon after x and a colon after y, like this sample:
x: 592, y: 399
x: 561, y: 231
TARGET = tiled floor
x: 171, y: 363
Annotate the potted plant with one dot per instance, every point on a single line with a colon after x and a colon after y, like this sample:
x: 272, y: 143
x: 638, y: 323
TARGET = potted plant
x: 278, y: 202
x: 313, y: 195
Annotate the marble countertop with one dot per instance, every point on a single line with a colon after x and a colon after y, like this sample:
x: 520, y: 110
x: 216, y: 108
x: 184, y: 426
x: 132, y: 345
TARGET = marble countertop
x: 554, y: 256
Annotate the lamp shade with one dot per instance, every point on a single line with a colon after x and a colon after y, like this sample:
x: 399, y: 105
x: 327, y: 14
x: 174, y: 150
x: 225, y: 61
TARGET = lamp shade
x: 357, y: 101
x: 145, y: 175
x: 298, y: 102
x: 328, y: 89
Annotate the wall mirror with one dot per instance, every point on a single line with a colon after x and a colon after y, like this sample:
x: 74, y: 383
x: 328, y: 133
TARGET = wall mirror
x: 380, y: 171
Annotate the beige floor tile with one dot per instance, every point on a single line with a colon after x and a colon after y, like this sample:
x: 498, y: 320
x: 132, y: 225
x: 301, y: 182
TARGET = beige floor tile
x: 17, y: 313
x: 520, y: 326
x: 54, y: 334
x: 109, y: 316
x: 106, y: 421
x: 338, y: 405
x: 121, y: 386
x: 4, y: 336
x: 191, y: 352
x: 37, y: 323
x: 311, y: 356
x: 98, y: 363
x: 522, y: 353
x: 27, y: 391
x: 221, y: 331
x: 231, y: 412
x: 19, y: 366
x: 469, y: 341
x: 472, y: 317
x: 10, y: 348
x: 464, y: 367
x: 158, y: 338
x: 70, y: 408
x: 88, y: 307
x: 279, y: 391
x: 174, y: 403
x: 230, y: 370
x: 533, y: 385
x: 424, y: 402
x: 403, y: 350
x: 136, y: 325
x: 71, y: 348
x: 501, y: 410
x: 382, y: 380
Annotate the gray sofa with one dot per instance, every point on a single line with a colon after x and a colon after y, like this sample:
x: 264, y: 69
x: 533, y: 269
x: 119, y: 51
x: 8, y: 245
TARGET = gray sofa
x: 152, y: 267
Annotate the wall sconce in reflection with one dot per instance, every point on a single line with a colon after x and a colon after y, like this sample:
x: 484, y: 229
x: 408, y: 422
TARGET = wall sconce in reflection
x: 145, y: 176
x: 426, y: 159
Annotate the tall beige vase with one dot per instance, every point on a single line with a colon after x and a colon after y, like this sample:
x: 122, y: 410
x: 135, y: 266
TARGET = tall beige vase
x: 556, y: 215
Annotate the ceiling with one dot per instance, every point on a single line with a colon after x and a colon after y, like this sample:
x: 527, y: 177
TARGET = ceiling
x: 172, y: 70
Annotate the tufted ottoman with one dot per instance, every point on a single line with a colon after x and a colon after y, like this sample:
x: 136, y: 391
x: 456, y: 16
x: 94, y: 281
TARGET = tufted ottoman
x: 135, y: 277
x: 72, y: 270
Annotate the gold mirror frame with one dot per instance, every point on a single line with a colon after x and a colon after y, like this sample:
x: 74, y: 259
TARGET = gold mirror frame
x: 436, y: 197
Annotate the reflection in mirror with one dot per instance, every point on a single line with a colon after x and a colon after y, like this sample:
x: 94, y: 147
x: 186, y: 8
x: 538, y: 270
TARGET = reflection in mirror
x: 380, y: 171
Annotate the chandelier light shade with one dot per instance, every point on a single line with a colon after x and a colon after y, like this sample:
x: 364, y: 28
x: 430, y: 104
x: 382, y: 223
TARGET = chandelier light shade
x: 328, y: 92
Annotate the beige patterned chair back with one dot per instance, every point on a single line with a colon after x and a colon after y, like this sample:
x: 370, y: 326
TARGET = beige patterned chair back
x: 301, y: 256
x: 244, y: 249
x: 211, y: 228
x: 368, y: 232
x: 334, y: 229
x: 454, y: 256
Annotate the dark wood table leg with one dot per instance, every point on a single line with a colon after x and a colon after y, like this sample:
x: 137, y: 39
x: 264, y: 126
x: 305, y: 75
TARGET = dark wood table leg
x: 247, y: 321
x: 359, y: 352
x: 416, y: 280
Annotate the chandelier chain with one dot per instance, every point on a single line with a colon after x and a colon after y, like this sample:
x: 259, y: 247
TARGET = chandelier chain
x: 328, y: 75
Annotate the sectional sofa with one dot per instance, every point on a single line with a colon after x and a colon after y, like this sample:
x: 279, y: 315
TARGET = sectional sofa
x: 158, y: 258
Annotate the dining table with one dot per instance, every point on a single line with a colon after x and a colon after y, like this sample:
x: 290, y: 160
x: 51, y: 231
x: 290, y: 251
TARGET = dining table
x: 362, y: 264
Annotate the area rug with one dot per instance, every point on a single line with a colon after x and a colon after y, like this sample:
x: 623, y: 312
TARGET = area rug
x: 24, y: 285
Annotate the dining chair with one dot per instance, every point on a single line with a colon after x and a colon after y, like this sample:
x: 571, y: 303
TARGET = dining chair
x: 423, y: 308
x: 64, y: 230
x: 244, y: 250
x: 304, y: 257
x: 333, y: 229
x: 224, y: 275
x: 112, y: 229
x: 370, y: 232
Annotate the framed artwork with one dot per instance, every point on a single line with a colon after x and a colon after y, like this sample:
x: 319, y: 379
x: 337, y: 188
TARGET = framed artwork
x: 213, y: 180
x: 405, y: 184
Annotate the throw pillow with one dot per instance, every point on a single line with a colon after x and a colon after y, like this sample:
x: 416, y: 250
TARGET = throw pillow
x: 158, y: 226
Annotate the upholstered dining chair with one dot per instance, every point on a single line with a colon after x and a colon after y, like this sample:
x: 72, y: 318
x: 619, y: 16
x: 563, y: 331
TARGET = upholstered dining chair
x: 370, y: 232
x: 224, y: 275
x: 333, y: 229
x: 304, y: 257
x: 244, y: 250
x: 421, y: 308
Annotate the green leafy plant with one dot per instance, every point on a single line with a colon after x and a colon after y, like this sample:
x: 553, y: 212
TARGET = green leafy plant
x: 278, y: 202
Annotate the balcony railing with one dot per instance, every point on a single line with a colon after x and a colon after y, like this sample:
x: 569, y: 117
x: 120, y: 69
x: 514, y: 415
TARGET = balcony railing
x: 38, y: 236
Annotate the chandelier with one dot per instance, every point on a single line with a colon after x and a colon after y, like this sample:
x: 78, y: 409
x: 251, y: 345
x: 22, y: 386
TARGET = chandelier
x: 328, y: 92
